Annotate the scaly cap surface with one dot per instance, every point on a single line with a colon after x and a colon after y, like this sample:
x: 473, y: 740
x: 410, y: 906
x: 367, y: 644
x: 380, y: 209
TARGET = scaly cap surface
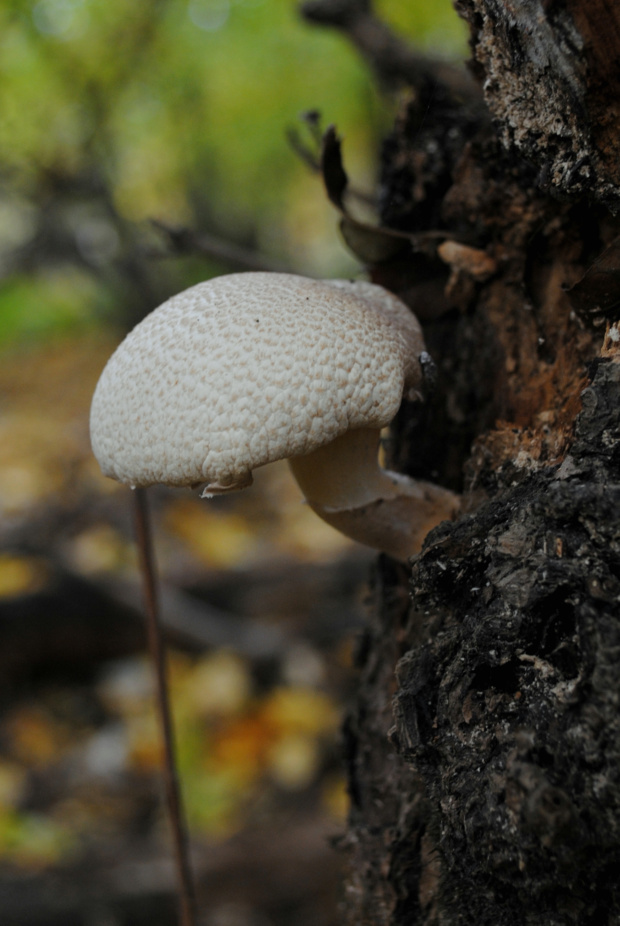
x: 246, y: 369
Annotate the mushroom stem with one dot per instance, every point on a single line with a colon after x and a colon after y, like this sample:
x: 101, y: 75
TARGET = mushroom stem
x: 345, y: 485
x: 187, y: 904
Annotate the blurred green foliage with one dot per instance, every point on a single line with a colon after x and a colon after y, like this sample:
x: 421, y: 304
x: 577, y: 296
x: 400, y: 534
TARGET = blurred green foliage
x: 113, y: 113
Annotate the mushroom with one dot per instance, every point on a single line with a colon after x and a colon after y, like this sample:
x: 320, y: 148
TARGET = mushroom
x: 246, y: 369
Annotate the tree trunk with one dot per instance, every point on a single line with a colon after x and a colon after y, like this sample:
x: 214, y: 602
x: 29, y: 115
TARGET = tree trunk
x: 483, y: 749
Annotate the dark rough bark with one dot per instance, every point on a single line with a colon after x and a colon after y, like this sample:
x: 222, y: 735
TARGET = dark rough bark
x: 552, y: 80
x: 509, y: 710
x: 496, y: 797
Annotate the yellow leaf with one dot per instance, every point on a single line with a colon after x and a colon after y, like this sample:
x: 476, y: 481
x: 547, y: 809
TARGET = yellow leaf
x: 101, y: 549
x: 335, y: 797
x: 219, y: 684
x: 241, y: 747
x: 218, y: 540
x: 19, y: 575
x: 294, y: 761
x: 145, y: 744
x: 12, y: 781
x: 34, y: 737
x: 301, y: 710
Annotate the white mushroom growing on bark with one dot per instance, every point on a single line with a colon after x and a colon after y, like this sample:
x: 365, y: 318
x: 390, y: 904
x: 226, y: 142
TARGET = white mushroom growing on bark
x: 247, y: 369
x: 250, y: 368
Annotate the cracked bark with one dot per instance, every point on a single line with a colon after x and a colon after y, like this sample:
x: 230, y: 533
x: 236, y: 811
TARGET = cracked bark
x: 483, y: 749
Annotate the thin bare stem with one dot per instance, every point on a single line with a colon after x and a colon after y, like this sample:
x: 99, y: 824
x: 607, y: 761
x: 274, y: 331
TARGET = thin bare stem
x: 187, y: 904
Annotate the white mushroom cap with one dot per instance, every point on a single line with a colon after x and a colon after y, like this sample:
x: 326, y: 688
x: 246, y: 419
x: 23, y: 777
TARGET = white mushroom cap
x: 246, y: 369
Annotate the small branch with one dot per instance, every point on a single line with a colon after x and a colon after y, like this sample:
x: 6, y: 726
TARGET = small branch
x: 186, y: 241
x: 309, y: 157
x: 156, y: 647
x: 393, y: 60
x: 196, y: 625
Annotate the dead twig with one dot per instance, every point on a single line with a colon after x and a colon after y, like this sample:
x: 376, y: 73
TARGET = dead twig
x: 394, y: 61
x: 187, y: 241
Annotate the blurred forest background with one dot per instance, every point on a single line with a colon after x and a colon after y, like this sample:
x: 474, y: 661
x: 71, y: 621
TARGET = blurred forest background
x: 145, y: 147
